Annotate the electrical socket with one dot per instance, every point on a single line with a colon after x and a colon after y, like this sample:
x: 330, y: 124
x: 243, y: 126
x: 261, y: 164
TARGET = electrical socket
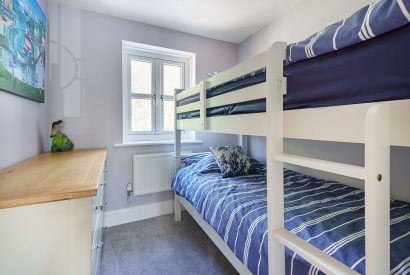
x: 129, y: 189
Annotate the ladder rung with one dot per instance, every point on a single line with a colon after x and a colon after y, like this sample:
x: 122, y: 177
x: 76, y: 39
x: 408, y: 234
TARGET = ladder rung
x: 315, y: 256
x: 353, y: 171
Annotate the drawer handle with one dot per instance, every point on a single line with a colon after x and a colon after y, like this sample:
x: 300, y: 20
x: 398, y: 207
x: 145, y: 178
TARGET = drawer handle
x: 100, y: 245
x: 101, y: 206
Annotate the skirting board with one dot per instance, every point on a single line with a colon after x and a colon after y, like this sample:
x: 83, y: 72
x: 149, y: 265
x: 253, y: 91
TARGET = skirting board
x: 137, y: 213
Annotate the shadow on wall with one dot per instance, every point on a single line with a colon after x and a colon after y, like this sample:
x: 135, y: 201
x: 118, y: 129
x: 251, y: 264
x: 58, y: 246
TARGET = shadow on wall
x: 65, y: 60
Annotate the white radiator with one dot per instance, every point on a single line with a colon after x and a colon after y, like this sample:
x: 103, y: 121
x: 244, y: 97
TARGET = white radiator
x: 153, y: 172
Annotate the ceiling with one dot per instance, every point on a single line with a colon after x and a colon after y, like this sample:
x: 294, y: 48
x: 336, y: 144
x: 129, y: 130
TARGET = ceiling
x: 227, y: 20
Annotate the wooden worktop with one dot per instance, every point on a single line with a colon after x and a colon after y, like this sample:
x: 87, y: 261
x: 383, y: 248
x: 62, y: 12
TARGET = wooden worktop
x: 52, y: 177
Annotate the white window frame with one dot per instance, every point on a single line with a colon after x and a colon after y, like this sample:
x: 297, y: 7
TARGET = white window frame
x: 159, y: 56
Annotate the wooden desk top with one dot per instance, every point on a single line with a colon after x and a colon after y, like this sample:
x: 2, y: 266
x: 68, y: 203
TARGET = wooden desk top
x: 52, y: 177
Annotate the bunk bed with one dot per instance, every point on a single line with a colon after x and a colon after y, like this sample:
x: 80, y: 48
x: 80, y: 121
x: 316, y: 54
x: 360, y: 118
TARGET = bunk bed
x: 321, y: 93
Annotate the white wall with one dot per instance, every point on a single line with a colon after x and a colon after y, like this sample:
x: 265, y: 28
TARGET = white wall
x: 85, y: 86
x: 297, y: 24
x: 22, y: 124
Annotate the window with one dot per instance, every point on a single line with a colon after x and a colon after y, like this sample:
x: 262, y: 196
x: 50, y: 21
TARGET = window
x: 150, y: 77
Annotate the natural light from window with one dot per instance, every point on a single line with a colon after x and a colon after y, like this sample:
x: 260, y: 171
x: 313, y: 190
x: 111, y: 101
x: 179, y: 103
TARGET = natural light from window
x: 150, y: 80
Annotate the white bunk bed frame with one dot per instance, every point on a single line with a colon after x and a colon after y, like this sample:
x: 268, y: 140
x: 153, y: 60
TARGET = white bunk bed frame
x: 377, y: 125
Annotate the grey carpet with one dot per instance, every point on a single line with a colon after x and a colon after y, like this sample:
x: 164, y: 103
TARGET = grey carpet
x: 161, y: 246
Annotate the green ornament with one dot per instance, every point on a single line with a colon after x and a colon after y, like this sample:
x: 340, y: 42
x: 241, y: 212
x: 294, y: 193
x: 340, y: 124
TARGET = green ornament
x: 60, y: 142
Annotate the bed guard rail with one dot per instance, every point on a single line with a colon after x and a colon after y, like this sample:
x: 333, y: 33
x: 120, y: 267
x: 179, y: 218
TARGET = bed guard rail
x: 254, y: 92
x: 199, y: 89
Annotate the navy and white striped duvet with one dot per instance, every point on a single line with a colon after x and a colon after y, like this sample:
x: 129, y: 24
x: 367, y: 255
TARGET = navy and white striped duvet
x: 371, y: 21
x: 329, y: 215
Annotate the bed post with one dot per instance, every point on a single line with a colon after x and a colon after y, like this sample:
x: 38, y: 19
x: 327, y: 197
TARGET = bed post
x: 274, y: 146
x: 202, y: 100
x: 243, y: 141
x: 177, y: 152
x: 377, y: 189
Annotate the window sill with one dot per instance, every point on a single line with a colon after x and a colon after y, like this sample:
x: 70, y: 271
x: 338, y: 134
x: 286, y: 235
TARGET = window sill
x: 155, y: 142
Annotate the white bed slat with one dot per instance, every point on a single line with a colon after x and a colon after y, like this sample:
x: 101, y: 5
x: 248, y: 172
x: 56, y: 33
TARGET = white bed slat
x: 348, y: 170
x: 255, y: 63
x: 315, y: 256
x: 246, y: 94
x: 189, y: 107
x: 189, y: 92
x: 191, y: 124
x: 338, y: 123
x: 345, y: 123
x: 246, y: 124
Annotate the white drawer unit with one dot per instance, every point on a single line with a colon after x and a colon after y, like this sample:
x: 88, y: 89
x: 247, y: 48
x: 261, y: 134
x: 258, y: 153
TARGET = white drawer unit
x: 56, y: 229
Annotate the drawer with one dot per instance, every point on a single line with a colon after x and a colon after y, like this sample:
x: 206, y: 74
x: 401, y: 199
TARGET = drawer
x: 97, y: 232
x: 99, y: 198
x: 98, y: 208
x: 97, y: 242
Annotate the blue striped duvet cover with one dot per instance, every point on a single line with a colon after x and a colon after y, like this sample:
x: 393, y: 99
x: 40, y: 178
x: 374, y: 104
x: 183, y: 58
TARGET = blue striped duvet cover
x: 327, y: 214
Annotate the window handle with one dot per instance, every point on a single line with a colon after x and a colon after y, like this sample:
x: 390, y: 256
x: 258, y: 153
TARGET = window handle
x: 162, y: 97
x: 154, y: 97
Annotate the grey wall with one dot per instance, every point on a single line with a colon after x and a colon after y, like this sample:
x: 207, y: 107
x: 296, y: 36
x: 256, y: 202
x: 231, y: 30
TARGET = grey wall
x: 303, y: 20
x: 85, y: 86
x: 297, y: 24
x: 22, y: 124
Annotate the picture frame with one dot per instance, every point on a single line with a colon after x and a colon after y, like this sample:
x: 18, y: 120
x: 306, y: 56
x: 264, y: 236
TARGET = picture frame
x: 23, y: 49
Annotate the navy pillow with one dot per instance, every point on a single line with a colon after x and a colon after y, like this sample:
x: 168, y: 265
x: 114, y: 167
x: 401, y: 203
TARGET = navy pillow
x: 195, y: 158
x: 232, y: 161
x: 203, y: 163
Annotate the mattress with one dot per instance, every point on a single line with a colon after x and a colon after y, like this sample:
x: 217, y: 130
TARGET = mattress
x: 373, y: 71
x: 327, y: 214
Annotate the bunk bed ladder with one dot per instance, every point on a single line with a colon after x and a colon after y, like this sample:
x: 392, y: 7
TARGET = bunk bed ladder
x: 375, y: 173
x: 377, y: 189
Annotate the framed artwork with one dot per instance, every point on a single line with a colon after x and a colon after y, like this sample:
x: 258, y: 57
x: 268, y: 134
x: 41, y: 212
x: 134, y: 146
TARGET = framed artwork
x: 22, y: 48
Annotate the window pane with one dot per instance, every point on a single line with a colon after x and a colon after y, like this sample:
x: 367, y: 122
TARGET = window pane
x: 141, y: 112
x: 169, y: 115
x: 172, y: 79
x: 141, y: 77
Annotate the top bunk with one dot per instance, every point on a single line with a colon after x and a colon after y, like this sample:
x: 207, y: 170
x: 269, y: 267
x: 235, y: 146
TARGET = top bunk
x: 322, y: 86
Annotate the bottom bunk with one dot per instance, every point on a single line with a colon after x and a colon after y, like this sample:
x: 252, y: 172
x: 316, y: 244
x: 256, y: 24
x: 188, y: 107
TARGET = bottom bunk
x: 327, y: 214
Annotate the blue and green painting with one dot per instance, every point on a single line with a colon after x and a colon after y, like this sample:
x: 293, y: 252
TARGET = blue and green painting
x: 22, y: 48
